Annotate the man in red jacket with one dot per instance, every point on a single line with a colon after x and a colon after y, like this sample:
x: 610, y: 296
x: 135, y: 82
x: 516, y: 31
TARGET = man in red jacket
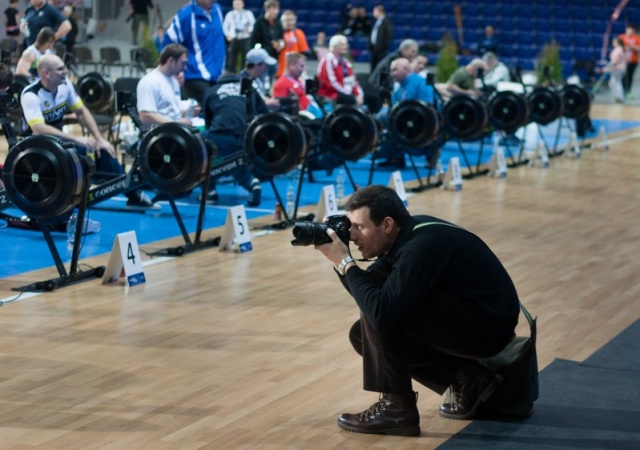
x: 336, y: 80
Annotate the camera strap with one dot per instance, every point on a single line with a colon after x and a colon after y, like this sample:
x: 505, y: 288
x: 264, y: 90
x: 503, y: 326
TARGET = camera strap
x: 420, y: 225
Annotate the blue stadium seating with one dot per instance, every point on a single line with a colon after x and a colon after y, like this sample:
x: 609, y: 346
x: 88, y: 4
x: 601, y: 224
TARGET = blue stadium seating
x: 522, y: 26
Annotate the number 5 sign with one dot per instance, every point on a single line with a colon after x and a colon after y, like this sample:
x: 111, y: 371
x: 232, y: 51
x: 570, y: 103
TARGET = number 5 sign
x: 125, y: 257
x: 327, y: 206
x: 236, y: 228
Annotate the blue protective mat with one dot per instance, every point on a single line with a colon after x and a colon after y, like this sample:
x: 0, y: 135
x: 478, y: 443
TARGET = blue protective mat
x: 593, y: 405
x: 26, y: 250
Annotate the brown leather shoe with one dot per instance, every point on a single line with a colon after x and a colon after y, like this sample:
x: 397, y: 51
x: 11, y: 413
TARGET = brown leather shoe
x: 468, y: 393
x: 393, y: 414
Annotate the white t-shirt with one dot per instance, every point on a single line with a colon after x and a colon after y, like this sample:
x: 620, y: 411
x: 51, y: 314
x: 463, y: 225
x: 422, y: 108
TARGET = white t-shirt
x: 499, y: 73
x: 159, y: 93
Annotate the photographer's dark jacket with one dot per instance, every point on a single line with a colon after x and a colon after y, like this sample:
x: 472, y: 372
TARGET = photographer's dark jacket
x: 429, y: 271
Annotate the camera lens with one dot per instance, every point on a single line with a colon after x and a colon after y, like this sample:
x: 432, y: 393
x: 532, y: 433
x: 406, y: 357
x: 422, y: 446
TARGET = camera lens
x: 309, y: 233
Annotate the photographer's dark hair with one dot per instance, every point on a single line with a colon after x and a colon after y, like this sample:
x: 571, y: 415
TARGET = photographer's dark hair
x: 382, y: 202
x: 171, y: 51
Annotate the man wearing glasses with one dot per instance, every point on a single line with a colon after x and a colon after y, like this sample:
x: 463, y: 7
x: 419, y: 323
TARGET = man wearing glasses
x: 44, y: 105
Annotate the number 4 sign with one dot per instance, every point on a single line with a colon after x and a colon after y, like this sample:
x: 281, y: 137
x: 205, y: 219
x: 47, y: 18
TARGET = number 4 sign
x: 125, y: 257
x: 236, y: 228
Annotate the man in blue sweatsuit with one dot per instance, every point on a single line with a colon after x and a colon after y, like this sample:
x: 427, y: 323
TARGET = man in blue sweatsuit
x: 205, y: 42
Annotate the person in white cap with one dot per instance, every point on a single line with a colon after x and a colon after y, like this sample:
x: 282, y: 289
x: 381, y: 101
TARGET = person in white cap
x: 226, y: 114
x: 258, y: 62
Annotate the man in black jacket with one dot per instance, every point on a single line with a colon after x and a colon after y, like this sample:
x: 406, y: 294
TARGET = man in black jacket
x: 267, y: 34
x: 380, y: 37
x: 434, y: 302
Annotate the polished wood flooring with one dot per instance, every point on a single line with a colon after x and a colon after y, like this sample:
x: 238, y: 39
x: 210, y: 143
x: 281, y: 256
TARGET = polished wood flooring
x: 222, y: 350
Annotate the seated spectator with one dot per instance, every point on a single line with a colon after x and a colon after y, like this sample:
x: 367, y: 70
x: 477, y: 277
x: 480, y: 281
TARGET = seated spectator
x: 28, y: 63
x: 226, y: 116
x: 489, y: 43
x: 320, y: 48
x: 496, y: 72
x: 158, y: 93
x: 258, y: 63
x: 336, y: 80
x: 44, y: 105
x: 419, y: 65
x: 407, y: 86
x: 294, y: 39
x: 345, y: 16
x: 291, y: 84
x: 462, y: 80
x: 358, y: 23
x: 380, y: 79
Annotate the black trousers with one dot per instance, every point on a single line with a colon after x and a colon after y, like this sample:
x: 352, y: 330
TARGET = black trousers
x: 196, y: 88
x: 236, y: 53
x: 433, y: 356
x: 627, y: 80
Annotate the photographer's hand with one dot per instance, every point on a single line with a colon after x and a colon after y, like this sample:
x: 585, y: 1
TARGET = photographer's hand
x: 336, y: 251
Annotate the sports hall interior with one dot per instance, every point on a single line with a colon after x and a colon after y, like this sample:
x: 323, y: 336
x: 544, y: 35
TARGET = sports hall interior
x: 222, y: 349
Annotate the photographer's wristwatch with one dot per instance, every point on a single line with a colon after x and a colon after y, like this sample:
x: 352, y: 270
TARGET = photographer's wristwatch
x: 344, y: 263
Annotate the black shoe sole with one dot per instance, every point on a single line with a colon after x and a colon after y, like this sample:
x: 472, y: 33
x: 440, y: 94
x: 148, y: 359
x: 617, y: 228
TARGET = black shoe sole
x: 404, y: 431
x: 484, y: 396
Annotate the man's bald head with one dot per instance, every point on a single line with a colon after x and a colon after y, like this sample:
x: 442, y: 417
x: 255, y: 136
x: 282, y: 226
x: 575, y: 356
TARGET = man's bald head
x: 48, y: 62
x: 52, y: 71
x: 400, y: 69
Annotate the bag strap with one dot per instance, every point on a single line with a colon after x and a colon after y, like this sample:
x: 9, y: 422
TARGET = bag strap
x: 532, y: 321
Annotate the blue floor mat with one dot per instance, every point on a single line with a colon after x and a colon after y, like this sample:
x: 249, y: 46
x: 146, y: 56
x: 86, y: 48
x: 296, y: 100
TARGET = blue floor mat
x: 589, y: 405
x: 27, y: 250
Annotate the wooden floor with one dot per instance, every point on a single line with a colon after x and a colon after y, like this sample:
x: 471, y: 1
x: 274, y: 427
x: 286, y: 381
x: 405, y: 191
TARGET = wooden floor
x: 227, y: 351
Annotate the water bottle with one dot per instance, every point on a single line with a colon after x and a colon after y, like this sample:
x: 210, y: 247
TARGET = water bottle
x: 291, y: 194
x: 439, y: 171
x: 71, y: 232
x: 91, y: 153
x: 340, y: 188
x: 291, y: 199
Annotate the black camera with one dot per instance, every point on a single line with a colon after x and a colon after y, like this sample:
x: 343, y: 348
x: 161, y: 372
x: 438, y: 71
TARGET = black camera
x: 7, y: 101
x: 124, y: 101
x: 311, y: 233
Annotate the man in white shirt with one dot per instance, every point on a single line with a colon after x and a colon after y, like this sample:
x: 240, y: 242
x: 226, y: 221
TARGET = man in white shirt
x: 496, y: 70
x: 158, y: 92
x: 238, y: 26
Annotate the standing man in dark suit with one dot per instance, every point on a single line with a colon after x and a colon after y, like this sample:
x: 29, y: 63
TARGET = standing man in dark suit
x: 380, y: 37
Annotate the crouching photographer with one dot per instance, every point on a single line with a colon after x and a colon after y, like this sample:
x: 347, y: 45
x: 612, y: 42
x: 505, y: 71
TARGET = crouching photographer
x: 433, y: 303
